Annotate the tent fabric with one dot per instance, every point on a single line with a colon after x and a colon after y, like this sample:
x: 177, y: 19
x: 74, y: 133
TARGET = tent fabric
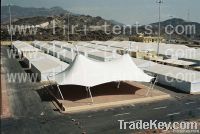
x: 86, y: 72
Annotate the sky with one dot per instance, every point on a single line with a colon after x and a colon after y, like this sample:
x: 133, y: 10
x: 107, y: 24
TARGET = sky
x: 125, y: 11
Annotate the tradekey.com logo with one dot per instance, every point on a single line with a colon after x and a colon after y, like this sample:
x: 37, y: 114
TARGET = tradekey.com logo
x: 177, y: 127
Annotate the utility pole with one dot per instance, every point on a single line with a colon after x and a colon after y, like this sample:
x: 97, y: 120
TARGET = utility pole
x: 9, y: 7
x: 188, y: 15
x: 159, y: 4
x: 68, y: 27
x: 170, y: 35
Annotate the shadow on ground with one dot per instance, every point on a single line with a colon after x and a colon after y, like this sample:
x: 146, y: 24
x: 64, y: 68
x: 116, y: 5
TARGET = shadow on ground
x: 74, y: 93
x: 44, y: 94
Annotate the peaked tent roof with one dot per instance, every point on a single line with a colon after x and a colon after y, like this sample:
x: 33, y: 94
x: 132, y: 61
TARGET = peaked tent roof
x: 89, y: 73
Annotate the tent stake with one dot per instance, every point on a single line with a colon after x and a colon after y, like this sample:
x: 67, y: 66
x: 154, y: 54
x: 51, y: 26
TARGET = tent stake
x: 60, y: 92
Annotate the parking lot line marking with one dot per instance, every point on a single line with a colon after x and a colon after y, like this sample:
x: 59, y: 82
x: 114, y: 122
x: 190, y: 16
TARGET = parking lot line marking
x: 178, y: 97
x: 132, y: 105
x: 157, y: 108
x: 105, y: 110
x: 173, y: 114
x: 121, y: 114
x: 187, y: 103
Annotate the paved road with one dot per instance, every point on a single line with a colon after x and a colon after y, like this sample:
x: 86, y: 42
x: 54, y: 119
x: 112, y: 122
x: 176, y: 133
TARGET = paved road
x: 32, y: 115
x: 168, y: 110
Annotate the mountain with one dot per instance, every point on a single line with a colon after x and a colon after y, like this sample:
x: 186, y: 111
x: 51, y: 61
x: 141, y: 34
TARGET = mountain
x: 116, y: 22
x: 35, y: 16
x: 181, y: 30
x: 44, y: 20
x: 60, y: 20
x: 28, y: 12
x: 176, y: 22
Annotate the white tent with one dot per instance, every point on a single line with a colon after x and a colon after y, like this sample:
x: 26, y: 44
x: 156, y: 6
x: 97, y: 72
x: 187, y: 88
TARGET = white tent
x: 89, y: 73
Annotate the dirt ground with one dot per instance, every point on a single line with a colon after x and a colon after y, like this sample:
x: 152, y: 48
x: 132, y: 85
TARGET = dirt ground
x: 106, y: 93
x: 5, y: 109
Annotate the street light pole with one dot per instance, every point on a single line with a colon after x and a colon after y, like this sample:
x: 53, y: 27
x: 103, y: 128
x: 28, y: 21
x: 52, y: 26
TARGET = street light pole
x: 9, y: 7
x: 68, y: 27
x: 170, y: 35
x: 159, y: 2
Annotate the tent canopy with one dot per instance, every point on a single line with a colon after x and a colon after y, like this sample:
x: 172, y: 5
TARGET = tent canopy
x: 86, y: 72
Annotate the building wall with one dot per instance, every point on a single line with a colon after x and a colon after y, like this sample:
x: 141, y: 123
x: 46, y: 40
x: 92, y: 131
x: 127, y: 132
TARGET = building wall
x: 146, y: 39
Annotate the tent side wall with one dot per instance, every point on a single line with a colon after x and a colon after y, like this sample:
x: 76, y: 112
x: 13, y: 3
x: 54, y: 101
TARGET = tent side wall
x: 98, y: 58
x: 172, y: 82
x: 195, y: 87
x: 36, y: 71
x: 192, y: 60
x: 65, y: 58
x: 53, y: 53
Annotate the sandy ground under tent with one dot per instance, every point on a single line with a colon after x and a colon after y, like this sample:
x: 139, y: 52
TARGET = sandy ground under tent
x: 76, y: 98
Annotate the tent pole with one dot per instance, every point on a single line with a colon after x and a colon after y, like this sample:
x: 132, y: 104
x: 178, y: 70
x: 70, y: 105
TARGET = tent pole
x: 149, y: 89
x: 29, y: 66
x: 90, y: 94
x: 152, y: 87
x: 154, y: 82
x: 60, y: 92
x: 87, y: 91
x: 118, y: 84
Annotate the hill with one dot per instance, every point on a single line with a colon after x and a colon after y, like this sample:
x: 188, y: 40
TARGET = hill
x: 43, y: 18
x: 178, y: 22
x: 28, y: 12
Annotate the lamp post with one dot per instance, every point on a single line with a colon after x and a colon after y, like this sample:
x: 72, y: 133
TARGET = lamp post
x: 159, y: 4
x: 170, y: 35
x: 68, y: 26
x: 9, y: 8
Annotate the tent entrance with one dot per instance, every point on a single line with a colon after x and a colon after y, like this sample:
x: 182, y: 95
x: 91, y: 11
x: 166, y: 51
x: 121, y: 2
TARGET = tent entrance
x: 87, y: 89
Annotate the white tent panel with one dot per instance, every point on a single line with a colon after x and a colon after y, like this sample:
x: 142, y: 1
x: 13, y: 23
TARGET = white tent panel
x: 23, y: 47
x: 102, y: 48
x: 89, y: 73
x: 64, y: 45
x: 67, y: 56
x: 39, y: 44
x: 54, y: 51
x: 103, y: 56
x: 46, y: 48
x: 82, y: 43
x: 182, y: 79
